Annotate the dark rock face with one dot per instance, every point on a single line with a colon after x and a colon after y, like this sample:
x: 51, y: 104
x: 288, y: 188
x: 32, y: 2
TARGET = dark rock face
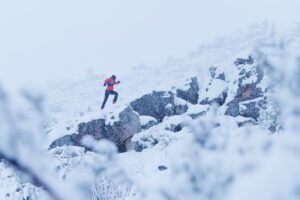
x: 96, y: 128
x: 119, y: 132
x: 158, y: 105
x: 233, y: 108
x: 191, y: 95
x: 250, y: 109
x: 242, y: 61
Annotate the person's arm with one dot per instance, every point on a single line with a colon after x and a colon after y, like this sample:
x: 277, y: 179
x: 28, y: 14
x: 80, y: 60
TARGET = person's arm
x: 105, y: 82
x: 117, y: 82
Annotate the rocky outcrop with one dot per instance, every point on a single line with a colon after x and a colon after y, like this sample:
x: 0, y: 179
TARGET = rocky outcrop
x: 119, y: 132
x: 249, y: 98
x: 249, y: 109
x: 191, y: 95
x: 151, y: 109
x: 158, y: 105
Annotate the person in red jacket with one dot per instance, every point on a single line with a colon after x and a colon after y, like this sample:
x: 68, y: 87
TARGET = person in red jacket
x: 110, y: 82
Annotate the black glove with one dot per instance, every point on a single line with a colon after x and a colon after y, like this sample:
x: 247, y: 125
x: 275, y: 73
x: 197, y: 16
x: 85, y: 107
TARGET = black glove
x: 119, y: 82
x: 104, y: 84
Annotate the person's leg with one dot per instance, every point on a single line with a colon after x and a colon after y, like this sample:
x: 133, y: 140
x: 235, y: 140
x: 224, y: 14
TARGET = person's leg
x: 116, y: 96
x: 105, y: 99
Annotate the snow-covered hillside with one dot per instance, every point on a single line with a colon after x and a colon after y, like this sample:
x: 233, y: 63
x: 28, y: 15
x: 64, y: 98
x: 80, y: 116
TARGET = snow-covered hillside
x: 219, y: 124
x: 70, y: 102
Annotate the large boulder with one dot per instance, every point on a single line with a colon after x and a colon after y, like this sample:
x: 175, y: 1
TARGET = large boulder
x: 118, y: 132
x: 191, y: 94
x: 126, y: 127
x: 158, y: 105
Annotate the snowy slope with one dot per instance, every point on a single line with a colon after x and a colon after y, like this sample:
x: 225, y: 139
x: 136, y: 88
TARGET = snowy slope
x: 208, y: 156
x: 237, y: 154
x: 71, y: 102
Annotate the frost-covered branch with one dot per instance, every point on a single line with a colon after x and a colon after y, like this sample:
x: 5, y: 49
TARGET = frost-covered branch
x: 35, y: 179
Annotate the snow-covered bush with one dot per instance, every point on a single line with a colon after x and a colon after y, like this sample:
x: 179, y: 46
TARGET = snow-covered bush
x: 66, y: 173
x: 107, y: 189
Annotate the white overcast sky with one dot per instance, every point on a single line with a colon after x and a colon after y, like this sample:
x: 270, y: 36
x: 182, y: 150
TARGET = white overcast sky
x: 46, y: 39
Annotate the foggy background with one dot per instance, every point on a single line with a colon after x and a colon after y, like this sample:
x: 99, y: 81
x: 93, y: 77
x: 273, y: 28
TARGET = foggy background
x: 45, y: 40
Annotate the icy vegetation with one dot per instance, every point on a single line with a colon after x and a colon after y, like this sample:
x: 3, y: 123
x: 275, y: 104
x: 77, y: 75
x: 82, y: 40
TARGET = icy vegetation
x: 220, y: 124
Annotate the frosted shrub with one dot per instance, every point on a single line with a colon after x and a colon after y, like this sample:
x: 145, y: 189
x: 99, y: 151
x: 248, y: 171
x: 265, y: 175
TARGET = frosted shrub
x: 22, y: 146
x: 106, y: 189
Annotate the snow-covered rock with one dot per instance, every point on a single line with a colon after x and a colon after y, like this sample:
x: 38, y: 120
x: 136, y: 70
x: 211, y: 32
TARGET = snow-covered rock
x: 157, y: 105
x: 118, y: 132
x: 147, y: 121
x: 191, y: 94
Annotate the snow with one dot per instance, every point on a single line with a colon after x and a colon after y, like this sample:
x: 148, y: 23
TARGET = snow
x: 271, y: 180
x: 13, y: 188
x: 209, y: 158
x: 218, y: 86
x: 223, y: 147
x: 146, y: 119
x: 196, y: 109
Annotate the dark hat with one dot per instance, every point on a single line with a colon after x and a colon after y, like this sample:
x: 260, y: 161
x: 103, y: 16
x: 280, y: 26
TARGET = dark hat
x: 113, y: 77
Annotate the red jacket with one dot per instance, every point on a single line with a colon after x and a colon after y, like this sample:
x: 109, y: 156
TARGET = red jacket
x: 110, y: 83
